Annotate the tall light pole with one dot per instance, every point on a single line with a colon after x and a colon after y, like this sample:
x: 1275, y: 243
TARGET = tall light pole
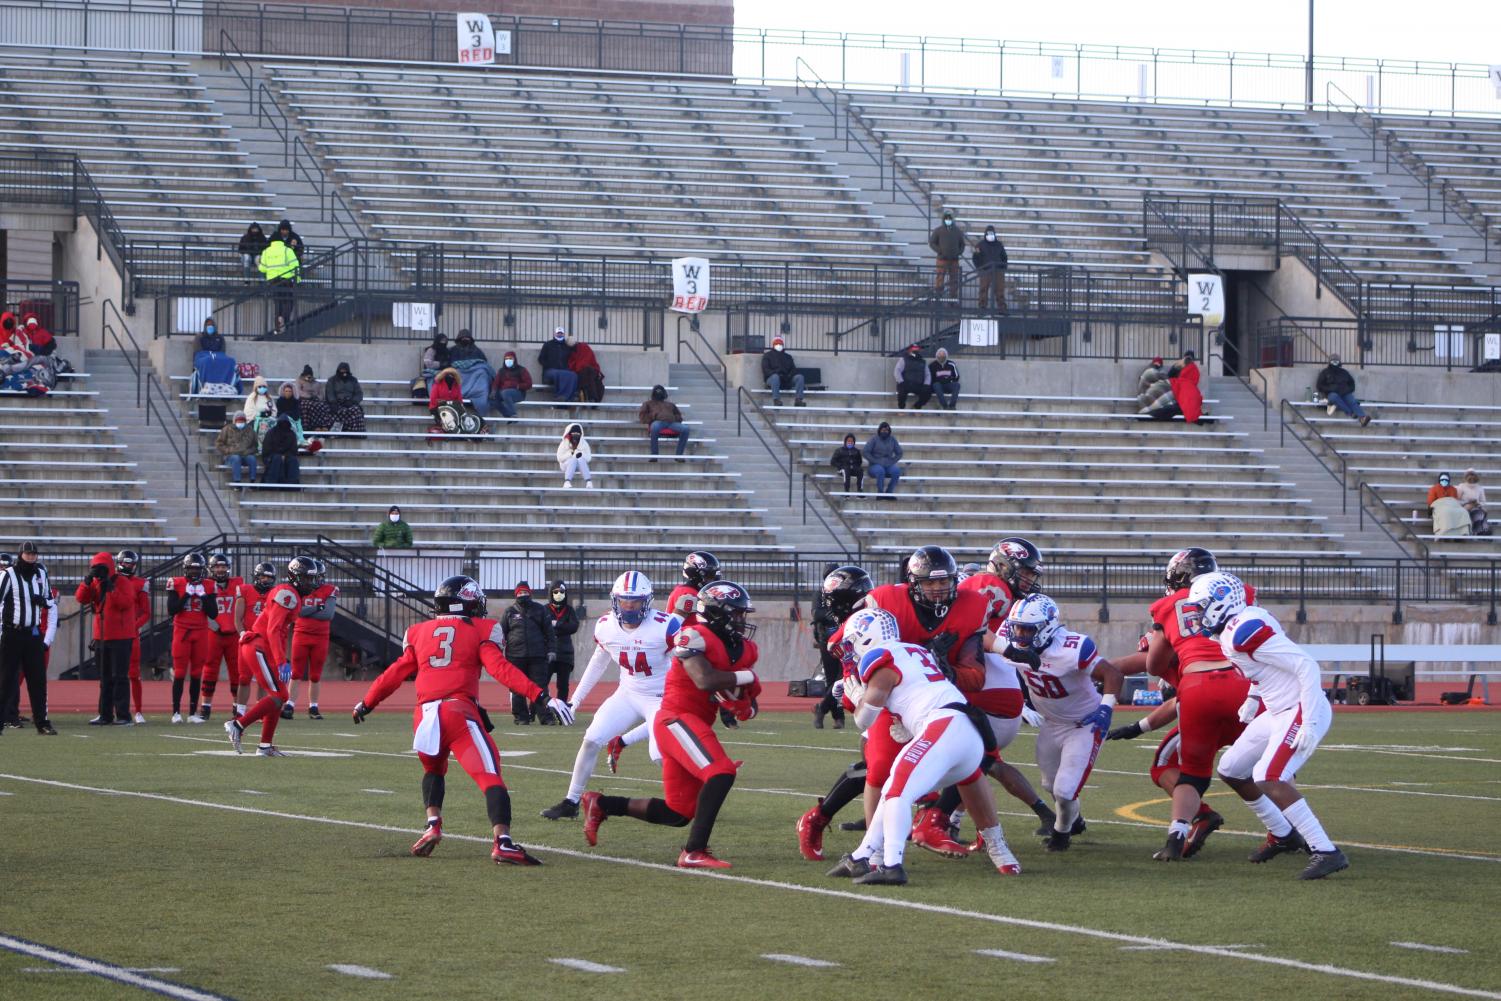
x: 1308, y: 81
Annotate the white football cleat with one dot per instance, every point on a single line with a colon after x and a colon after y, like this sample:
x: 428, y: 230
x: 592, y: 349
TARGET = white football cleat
x: 195, y: 718
x: 1000, y: 854
x: 140, y: 719
x: 177, y: 717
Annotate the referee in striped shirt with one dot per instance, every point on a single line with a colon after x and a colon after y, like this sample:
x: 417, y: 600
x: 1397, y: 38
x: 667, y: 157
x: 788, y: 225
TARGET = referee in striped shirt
x: 25, y: 600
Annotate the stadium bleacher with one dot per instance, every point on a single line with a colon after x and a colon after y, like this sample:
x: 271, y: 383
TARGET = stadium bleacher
x: 1465, y: 152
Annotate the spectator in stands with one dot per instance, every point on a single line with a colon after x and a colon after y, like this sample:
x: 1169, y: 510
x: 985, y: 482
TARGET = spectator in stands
x: 12, y: 337
x: 883, y: 452
x: 913, y: 379
x: 583, y: 363
x: 315, y: 415
x: 278, y: 328
x: 250, y: 246
x: 445, y: 389
x: 393, y: 533
x: 42, y: 341
x: 848, y: 460
x: 1449, y: 516
x: 943, y: 376
x: 290, y: 407
x: 1154, y: 393
x: 778, y: 370
x: 989, y: 257
x: 1150, y: 376
x: 437, y: 356
x: 662, y: 416
x: 236, y: 442
x: 475, y: 371
x: 345, y: 399
x: 285, y: 233
x: 1337, y: 385
x: 279, y: 451
x: 1472, y: 495
x: 1184, y: 379
x: 211, y: 339
x: 281, y: 268
x: 554, y: 364
x: 214, y: 372
x: 511, y: 385
x: 258, y: 404
x: 574, y: 454
x: 947, y: 241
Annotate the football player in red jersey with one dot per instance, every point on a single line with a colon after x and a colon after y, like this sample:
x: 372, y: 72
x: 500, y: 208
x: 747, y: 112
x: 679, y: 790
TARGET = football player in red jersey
x: 700, y: 567
x: 712, y: 662
x: 252, y: 601
x: 310, y: 642
x: 192, y: 602
x: 446, y: 654
x: 126, y: 563
x: 224, y: 644
x: 1013, y: 571
x: 266, y: 651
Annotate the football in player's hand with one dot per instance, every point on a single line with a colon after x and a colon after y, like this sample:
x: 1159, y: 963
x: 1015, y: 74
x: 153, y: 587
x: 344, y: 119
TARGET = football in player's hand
x: 725, y: 696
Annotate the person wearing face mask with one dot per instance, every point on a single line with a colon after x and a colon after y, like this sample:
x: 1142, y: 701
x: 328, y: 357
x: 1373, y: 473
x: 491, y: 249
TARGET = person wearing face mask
x: 290, y: 407
x: 883, y: 452
x: 574, y: 454
x: 778, y: 370
x: 943, y: 375
x: 445, y: 389
x: 913, y: 378
x: 554, y: 363
x: 1337, y: 385
x: 211, y: 339
x: 393, y: 533
x: 511, y: 385
x: 582, y: 361
x: 947, y: 241
x: 989, y: 258
x: 316, y: 415
x: 848, y: 460
x: 662, y: 416
x: 259, y: 409
x: 1449, y: 516
x: 214, y: 371
x: 436, y: 356
x: 530, y: 644
x: 236, y: 442
x: 345, y: 398
x: 565, y: 622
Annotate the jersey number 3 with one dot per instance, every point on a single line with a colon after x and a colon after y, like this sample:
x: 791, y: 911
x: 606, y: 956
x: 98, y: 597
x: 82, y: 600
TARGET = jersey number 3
x: 641, y: 667
x: 444, y: 636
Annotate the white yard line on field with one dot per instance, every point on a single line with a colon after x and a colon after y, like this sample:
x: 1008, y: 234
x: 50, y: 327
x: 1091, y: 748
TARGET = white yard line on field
x: 586, y: 966
x: 1432, y: 948
x: 787, y: 957
x: 1020, y: 957
x: 363, y: 972
x: 107, y: 971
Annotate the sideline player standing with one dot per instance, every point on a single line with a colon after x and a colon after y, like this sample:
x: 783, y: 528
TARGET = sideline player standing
x: 225, y: 644
x: 126, y: 562
x: 1266, y: 757
x: 192, y: 602
x: 266, y: 650
x: 446, y: 654
x: 310, y: 642
x: 638, y: 641
x: 712, y: 662
x: 1060, y: 667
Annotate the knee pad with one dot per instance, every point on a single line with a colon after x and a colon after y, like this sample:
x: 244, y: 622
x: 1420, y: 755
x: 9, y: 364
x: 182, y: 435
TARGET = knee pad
x: 1199, y: 782
x: 856, y: 771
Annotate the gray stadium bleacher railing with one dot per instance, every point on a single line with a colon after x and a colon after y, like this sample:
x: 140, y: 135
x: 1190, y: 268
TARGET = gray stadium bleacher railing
x: 56, y: 303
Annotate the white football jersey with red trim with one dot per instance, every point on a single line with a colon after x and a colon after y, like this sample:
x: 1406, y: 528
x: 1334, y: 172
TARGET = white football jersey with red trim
x: 643, y: 654
x: 1280, y: 670
x: 921, y: 689
x: 1062, y: 689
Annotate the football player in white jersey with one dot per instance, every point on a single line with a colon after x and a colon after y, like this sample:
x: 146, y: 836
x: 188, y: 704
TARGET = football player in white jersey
x: 943, y: 746
x: 1271, y: 749
x: 636, y: 640
x: 1060, y: 668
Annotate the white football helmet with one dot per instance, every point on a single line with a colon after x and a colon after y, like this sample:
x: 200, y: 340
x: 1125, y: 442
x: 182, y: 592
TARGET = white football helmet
x: 630, y: 598
x: 866, y: 630
x: 1032, y: 623
x: 1213, y: 598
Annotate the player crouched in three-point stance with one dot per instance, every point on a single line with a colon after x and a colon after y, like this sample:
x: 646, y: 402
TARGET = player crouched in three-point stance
x: 446, y: 654
x: 639, y: 641
x: 266, y: 654
x: 1060, y: 668
x: 1267, y: 755
x: 711, y: 668
x: 946, y: 741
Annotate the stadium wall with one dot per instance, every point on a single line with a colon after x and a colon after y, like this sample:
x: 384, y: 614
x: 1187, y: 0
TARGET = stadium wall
x: 1389, y: 384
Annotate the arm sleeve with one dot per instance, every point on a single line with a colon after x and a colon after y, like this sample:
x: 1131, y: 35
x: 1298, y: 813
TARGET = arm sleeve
x: 391, y: 678
x: 327, y: 612
x: 595, y: 670
x: 143, y: 606
x: 508, y: 674
x: 1310, y: 685
x: 211, y: 605
x: 174, y: 602
x: 898, y: 447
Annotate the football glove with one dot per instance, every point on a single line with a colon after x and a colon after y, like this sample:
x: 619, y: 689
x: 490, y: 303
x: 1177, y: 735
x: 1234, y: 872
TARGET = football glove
x: 1307, y: 737
x: 1248, y: 709
x: 939, y: 647
x: 360, y: 712
x: 900, y: 733
x: 838, y: 690
x: 746, y: 710
x: 1128, y: 732
x: 285, y: 672
x: 1028, y: 657
x: 561, y: 710
x: 1031, y: 716
x: 1099, y: 720
x: 552, y: 658
x: 854, y: 689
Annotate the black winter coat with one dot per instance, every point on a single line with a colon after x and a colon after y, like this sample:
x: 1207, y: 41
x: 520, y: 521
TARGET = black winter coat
x: 565, y: 622
x: 1334, y: 379
x: 529, y: 631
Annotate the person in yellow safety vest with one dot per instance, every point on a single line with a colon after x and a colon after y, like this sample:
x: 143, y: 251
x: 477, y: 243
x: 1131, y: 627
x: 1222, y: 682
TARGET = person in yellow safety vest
x: 280, y: 266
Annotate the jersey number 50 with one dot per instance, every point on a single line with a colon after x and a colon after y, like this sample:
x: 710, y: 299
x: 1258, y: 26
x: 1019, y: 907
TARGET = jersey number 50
x: 1045, y: 686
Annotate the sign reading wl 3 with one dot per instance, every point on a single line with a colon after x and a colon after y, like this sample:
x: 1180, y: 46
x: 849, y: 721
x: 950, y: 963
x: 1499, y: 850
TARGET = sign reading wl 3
x: 690, y: 284
x: 479, y: 42
x: 1206, y: 298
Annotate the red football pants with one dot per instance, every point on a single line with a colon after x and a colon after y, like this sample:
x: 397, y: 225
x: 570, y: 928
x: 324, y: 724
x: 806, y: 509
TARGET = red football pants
x: 191, y: 651
x: 224, y: 647
x: 691, y: 755
x: 308, y: 655
x: 462, y: 735
x: 256, y: 659
x: 1208, y: 706
x: 880, y: 750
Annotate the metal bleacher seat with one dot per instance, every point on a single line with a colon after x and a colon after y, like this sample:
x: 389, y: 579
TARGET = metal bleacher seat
x: 1464, y: 152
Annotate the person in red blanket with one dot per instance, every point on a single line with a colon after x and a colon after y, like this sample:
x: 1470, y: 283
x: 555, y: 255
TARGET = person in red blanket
x: 446, y: 655
x: 113, y: 598
x: 1186, y: 388
x: 42, y: 341
x: 583, y: 363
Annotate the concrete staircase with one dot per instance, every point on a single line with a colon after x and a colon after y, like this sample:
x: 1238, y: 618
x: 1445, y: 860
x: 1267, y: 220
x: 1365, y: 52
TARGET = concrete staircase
x: 1299, y: 467
x: 151, y: 448
x: 758, y: 470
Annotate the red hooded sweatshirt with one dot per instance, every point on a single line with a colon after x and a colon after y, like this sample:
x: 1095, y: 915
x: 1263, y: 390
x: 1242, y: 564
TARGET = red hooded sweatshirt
x: 115, y: 600
x: 40, y: 336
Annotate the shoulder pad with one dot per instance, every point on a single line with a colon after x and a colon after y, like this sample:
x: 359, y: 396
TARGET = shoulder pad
x: 689, y: 642
x: 1087, y: 653
x: 285, y: 597
x: 1249, y: 634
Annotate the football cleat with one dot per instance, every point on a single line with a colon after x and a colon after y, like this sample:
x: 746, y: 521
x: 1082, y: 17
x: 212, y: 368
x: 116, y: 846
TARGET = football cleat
x: 140, y: 719
x: 1274, y: 846
x: 100, y: 721
x: 1205, y: 824
x: 1004, y: 861
x: 701, y: 860
x: 205, y: 712
x: 810, y: 828
x: 508, y: 852
x: 268, y: 751
x: 613, y: 750
x: 177, y: 717
x: 1172, y: 851
x: 853, y: 826
x: 563, y: 809
x: 594, y: 815
x: 236, y: 734
x: 977, y: 845
x: 850, y: 867
x: 1049, y: 818
x: 195, y: 718
x: 885, y: 875
x: 313, y: 713
x: 287, y: 710
x: 429, y: 840
x: 1079, y: 827
x: 931, y: 831
x: 1323, y: 864
x: 1058, y: 841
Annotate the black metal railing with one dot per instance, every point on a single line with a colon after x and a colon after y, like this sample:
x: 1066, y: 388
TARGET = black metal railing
x: 1314, y: 340
x: 55, y: 303
x: 62, y: 180
x: 713, y: 366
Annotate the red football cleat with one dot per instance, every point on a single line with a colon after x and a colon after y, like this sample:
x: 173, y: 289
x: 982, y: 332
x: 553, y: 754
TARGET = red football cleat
x: 701, y: 860
x: 978, y: 845
x: 810, y: 828
x: 613, y: 750
x: 429, y: 840
x: 509, y: 853
x: 931, y: 831
x: 594, y: 815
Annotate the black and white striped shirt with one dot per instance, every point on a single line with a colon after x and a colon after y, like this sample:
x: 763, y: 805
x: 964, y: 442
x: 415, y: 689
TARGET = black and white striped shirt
x: 23, y: 600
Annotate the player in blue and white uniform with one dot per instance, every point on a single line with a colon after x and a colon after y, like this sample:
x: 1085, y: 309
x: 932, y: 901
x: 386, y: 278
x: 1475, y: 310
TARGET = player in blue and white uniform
x: 1060, y: 668
x: 637, y: 641
x: 943, y: 742
x: 1263, y: 761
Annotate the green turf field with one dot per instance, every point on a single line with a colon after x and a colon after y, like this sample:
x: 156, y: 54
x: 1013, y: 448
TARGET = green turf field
x: 252, y: 877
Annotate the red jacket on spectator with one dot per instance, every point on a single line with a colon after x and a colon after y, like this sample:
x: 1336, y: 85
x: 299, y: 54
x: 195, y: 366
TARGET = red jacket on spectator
x: 582, y: 358
x: 1186, y: 392
x: 115, y: 601
x: 40, y: 337
x: 442, y: 393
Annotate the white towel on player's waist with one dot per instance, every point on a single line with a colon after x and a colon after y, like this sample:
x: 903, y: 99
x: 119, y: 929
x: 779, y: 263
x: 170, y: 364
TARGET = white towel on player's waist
x: 429, y: 736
